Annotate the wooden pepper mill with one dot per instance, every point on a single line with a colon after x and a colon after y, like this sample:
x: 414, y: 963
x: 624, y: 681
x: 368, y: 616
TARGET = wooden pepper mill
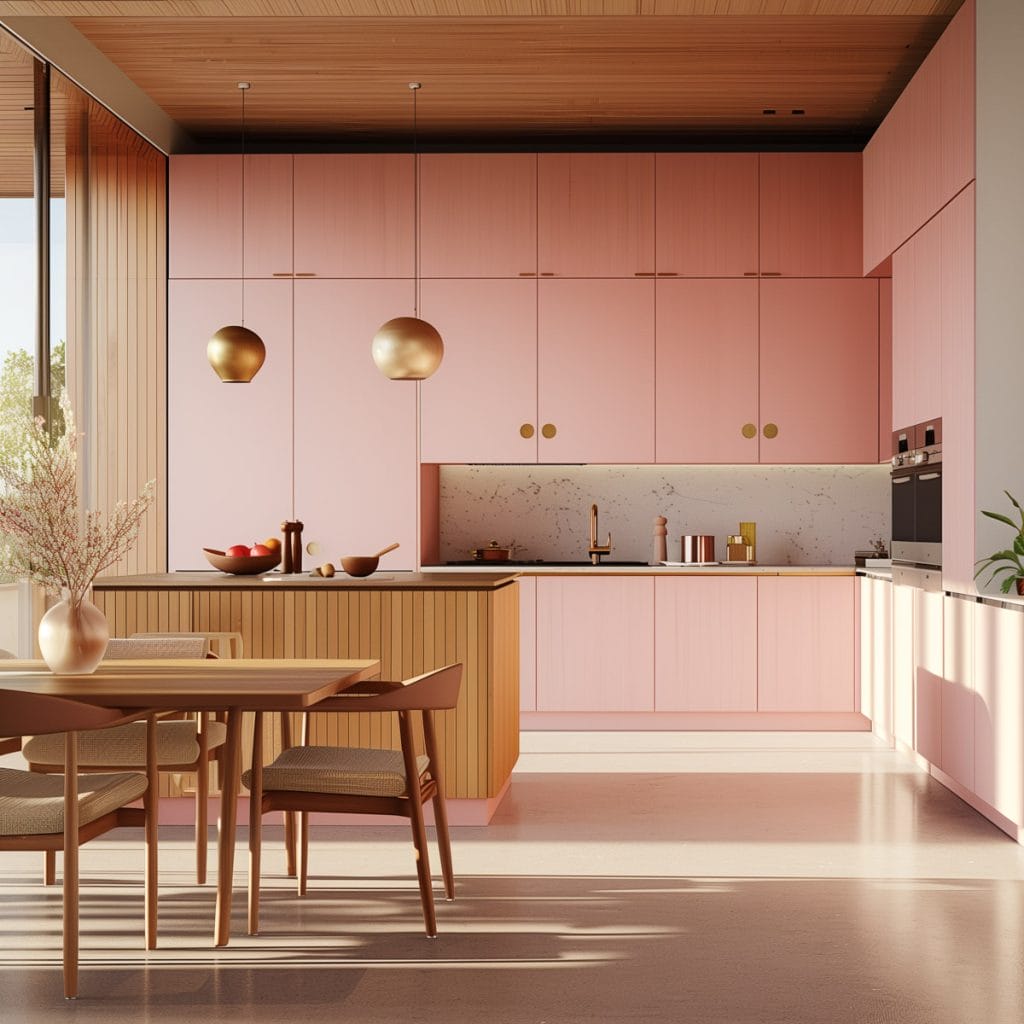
x: 292, y: 547
x: 659, y: 551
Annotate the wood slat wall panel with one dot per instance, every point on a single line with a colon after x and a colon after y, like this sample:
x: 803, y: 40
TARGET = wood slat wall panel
x: 410, y: 632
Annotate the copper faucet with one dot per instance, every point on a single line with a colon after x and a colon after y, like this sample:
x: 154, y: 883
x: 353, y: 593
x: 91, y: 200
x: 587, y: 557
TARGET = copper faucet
x: 597, y: 550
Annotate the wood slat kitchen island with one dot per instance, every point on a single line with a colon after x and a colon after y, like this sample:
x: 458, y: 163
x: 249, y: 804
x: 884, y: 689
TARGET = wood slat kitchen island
x: 410, y: 622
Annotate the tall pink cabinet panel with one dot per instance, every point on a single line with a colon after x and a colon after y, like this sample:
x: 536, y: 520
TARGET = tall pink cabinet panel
x: 917, y: 327
x: 955, y: 52
x: 958, y: 392
x: 811, y: 222
x: 707, y: 210
x: 477, y: 404
x: 268, y: 215
x: 707, y: 379
x: 805, y: 643
x: 819, y: 370
x: 705, y: 651
x: 355, y: 431
x: 999, y: 709
x: 478, y: 214
x: 595, y: 214
x: 354, y: 215
x: 595, y: 644
x: 204, y: 197
x: 595, y: 376
x: 229, y: 459
x: 885, y: 421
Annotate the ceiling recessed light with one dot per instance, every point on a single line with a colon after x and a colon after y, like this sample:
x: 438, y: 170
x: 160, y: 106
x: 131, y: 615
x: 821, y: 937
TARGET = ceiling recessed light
x: 797, y: 111
x: 768, y: 110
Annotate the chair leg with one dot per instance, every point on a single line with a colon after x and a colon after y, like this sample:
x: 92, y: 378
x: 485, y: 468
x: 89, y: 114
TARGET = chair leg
x: 151, y: 803
x: 49, y: 867
x: 289, y: 843
x: 419, y: 831
x: 444, y: 845
x: 70, y: 891
x: 202, y: 804
x: 255, y: 824
x: 303, y: 845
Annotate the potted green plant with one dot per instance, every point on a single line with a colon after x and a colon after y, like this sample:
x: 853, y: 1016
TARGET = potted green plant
x: 1007, y: 563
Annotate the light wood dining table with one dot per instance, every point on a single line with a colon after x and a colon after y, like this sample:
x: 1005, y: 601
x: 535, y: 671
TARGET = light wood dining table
x: 233, y: 686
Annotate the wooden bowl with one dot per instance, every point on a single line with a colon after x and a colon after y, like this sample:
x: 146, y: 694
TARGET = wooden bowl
x: 359, y: 565
x: 248, y: 566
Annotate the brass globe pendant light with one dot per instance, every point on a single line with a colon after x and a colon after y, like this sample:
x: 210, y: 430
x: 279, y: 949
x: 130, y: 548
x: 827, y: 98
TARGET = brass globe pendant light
x: 235, y: 352
x: 408, y: 348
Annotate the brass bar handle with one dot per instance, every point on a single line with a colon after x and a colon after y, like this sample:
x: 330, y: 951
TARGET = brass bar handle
x: 283, y: 273
x: 750, y: 273
x: 771, y: 273
x: 526, y: 430
x: 549, y: 430
x: 527, y: 273
x: 305, y: 273
x: 771, y: 430
x: 643, y: 273
x: 547, y: 273
x: 668, y: 273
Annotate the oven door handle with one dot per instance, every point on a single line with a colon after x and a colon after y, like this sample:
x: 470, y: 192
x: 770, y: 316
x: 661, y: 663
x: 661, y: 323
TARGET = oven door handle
x: 928, y: 476
x: 903, y: 479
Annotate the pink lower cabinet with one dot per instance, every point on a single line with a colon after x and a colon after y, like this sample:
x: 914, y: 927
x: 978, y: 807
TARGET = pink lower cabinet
x: 903, y: 665
x: 958, y: 696
x: 876, y: 654
x: 229, y: 446
x: 819, y: 371
x: 928, y: 674
x: 527, y: 643
x: 805, y: 638
x: 595, y: 644
x: 355, y: 430
x: 705, y: 644
x: 999, y: 709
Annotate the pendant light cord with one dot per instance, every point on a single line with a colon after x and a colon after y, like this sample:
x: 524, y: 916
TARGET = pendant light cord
x: 415, y: 88
x: 243, y: 88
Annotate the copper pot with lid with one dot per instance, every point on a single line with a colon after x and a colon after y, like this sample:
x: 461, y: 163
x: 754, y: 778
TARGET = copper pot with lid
x: 494, y: 552
x: 697, y: 548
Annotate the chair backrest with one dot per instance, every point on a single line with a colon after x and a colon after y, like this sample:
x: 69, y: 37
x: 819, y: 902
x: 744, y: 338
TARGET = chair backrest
x: 221, y: 643
x: 157, y: 647
x: 33, y: 714
x: 432, y: 691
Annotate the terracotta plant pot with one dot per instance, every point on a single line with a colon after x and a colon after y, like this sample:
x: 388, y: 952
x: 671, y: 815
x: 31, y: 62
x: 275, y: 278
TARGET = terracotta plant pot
x: 1020, y: 585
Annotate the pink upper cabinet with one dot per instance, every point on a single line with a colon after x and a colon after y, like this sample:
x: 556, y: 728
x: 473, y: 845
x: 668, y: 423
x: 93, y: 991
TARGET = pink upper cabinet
x: 354, y: 215
x: 229, y: 446
x: 707, y: 371
x: 595, y: 214
x: 819, y: 370
x: 595, y: 373
x: 204, y: 234
x: 268, y: 216
x: 811, y: 214
x: 478, y: 215
x: 355, y: 430
x: 885, y: 422
x: 481, y: 404
x: 707, y: 214
x: 956, y: 56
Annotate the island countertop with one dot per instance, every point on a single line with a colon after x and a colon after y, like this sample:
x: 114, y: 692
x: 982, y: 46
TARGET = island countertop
x: 380, y: 580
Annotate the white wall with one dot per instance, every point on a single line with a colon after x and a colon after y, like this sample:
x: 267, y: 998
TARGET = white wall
x: 805, y: 515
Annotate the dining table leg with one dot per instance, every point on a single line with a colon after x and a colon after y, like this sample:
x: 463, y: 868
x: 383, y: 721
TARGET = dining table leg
x: 226, y: 826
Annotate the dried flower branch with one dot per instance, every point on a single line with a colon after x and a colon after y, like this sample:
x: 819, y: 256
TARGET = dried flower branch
x: 44, y: 536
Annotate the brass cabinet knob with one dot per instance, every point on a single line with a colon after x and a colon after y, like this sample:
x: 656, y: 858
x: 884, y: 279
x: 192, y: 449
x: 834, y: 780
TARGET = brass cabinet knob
x: 526, y: 430
x: 771, y: 430
x: 749, y: 430
x: 549, y: 430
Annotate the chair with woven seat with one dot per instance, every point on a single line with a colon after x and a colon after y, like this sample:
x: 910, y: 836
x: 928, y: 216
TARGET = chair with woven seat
x: 60, y: 812
x: 357, y: 780
x: 182, y: 745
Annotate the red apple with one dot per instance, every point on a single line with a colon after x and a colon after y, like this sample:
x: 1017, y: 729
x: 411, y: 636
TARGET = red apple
x: 238, y: 551
x: 259, y: 549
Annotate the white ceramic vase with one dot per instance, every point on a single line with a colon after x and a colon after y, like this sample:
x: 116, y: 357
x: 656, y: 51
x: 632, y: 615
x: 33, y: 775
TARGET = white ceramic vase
x: 73, y: 637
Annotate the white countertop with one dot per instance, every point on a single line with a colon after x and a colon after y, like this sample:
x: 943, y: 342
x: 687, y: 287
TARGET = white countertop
x: 649, y: 570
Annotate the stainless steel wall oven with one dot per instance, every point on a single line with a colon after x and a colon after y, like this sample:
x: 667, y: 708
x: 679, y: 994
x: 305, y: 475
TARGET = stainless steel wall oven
x: 917, y: 495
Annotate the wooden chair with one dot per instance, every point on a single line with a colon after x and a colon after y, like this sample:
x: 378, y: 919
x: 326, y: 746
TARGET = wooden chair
x: 49, y: 812
x: 185, y: 745
x: 356, y: 780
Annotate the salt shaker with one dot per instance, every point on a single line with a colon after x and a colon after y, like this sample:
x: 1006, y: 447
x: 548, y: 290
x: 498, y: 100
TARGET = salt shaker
x: 659, y: 552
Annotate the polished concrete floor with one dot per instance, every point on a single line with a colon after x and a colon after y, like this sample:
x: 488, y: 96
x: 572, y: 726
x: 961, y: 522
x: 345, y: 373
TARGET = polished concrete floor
x: 710, y: 878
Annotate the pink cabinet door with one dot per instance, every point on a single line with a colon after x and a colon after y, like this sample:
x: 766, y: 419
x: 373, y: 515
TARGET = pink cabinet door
x: 876, y: 654
x: 268, y: 216
x: 229, y: 447
x: 917, y: 327
x: 811, y: 223
x: 706, y: 208
x: 595, y: 375
x: 707, y: 380
x: 527, y: 643
x: 354, y: 215
x: 355, y: 431
x: 928, y: 674
x: 903, y: 665
x: 204, y: 214
x: 595, y: 644
x: 885, y: 421
x: 595, y: 214
x: 805, y: 643
x: 481, y: 404
x: 819, y: 371
x: 955, y: 53
x: 705, y: 644
x: 958, y: 696
x: 478, y: 215
x: 999, y: 709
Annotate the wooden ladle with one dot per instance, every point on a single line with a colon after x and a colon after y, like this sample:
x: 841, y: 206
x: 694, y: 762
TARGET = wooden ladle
x: 364, y: 565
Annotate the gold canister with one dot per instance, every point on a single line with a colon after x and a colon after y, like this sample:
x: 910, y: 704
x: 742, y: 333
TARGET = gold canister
x: 749, y: 534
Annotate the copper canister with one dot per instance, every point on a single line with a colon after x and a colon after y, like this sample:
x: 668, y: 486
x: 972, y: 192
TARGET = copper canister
x: 698, y: 547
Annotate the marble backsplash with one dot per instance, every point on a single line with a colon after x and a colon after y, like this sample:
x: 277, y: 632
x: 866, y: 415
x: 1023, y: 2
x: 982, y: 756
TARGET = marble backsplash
x: 805, y: 515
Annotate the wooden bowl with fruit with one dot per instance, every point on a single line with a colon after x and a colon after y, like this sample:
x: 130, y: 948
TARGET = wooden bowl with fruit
x: 246, y: 559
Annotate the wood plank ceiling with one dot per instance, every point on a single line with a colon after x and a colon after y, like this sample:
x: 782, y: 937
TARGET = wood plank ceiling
x: 516, y: 73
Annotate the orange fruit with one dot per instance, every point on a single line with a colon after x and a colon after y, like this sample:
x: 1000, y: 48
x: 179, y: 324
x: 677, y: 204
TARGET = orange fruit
x: 273, y: 544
